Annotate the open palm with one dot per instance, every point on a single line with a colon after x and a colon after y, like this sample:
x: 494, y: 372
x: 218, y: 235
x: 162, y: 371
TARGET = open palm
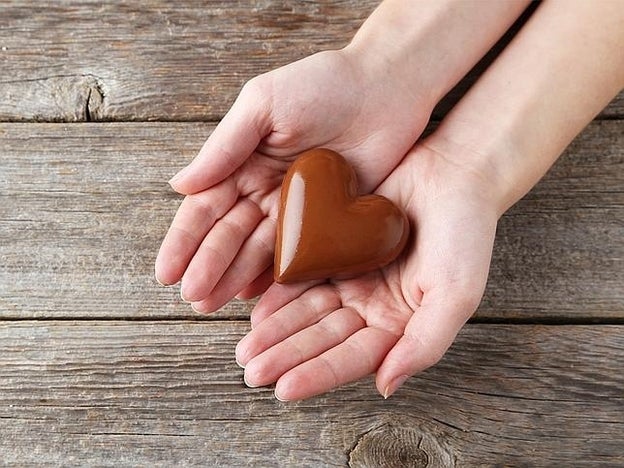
x: 222, y: 237
x: 397, y: 321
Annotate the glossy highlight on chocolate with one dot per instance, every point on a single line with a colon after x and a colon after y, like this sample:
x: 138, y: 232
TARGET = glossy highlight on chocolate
x: 325, y: 230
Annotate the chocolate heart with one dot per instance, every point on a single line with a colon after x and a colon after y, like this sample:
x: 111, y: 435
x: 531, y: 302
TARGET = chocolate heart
x: 325, y: 230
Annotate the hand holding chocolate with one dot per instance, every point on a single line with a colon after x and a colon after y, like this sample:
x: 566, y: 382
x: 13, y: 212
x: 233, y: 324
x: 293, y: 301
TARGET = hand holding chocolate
x: 325, y: 230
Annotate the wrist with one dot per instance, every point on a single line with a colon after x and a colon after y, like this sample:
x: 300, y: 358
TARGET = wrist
x: 429, y: 46
x: 393, y: 44
x: 376, y: 68
x: 538, y: 95
x: 484, y: 161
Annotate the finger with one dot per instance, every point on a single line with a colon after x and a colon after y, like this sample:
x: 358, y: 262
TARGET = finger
x: 428, y: 334
x: 230, y: 144
x: 356, y: 357
x: 258, y: 285
x: 219, y: 248
x: 308, y: 343
x: 255, y: 256
x: 276, y: 297
x: 196, y: 215
x: 306, y: 310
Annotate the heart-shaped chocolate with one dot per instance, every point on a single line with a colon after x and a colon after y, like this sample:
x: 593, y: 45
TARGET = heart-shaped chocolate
x: 325, y: 230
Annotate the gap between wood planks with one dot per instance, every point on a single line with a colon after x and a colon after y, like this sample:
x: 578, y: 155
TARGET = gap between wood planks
x: 548, y: 321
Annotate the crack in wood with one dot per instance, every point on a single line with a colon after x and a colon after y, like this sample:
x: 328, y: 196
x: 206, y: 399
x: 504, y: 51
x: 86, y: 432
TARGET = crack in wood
x: 450, y: 426
x: 55, y: 98
x: 94, y: 101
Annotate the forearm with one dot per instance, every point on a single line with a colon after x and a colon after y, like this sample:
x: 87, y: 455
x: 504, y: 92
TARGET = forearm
x: 564, y: 66
x: 431, y: 44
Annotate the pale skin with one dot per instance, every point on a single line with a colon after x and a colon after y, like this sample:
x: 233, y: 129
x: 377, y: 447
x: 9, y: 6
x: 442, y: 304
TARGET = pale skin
x: 332, y: 99
x: 561, y: 69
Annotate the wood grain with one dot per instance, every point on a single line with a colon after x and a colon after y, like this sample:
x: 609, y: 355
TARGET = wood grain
x: 100, y: 366
x: 83, y: 209
x: 175, y: 61
x: 560, y: 249
x: 154, y: 60
x: 83, y: 212
x: 122, y: 393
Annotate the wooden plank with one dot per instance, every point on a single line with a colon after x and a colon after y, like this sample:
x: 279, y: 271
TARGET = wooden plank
x: 560, y: 249
x: 80, y: 61
x: 154, y: 60
x: 83, y: 209
x: 122, y: 393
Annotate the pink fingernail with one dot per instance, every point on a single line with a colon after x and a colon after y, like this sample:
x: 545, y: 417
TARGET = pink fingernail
x: 158, y: 281
x: 184, y: 299
x: 249, y: 384
x: 238, y: 363
x: 178, y: 176
x: 196, y: 310
x: 394, y: 385
x: 279, y: 398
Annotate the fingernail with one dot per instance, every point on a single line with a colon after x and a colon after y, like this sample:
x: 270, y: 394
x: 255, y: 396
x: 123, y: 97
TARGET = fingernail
x: 196, y: 310
x: 176, y: 178
x: 248, y: 384
x: 183, y: 294
x: 183, y: 298
x: 239, y: 364
x: 394, y: 385
x: 159, y: 282
x: 279, y: 398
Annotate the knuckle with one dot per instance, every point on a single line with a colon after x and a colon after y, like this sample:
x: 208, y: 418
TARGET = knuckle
x: 199, y: 204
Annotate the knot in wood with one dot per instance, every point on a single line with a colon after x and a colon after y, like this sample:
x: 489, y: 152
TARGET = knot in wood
x: 392, y: 446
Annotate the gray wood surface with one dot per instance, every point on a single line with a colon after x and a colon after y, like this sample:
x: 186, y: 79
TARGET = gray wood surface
x: 100, y: 366
x: 559, y: 252
x: 184, y: 60
x: 83, y: 209
x: 128, y: 394
x: 154, y: 60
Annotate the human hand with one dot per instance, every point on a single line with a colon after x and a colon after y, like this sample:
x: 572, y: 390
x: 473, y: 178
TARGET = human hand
x: 222, y: 237
x: 396, y: 321
x: 493, y: 147
x: 369, y: 101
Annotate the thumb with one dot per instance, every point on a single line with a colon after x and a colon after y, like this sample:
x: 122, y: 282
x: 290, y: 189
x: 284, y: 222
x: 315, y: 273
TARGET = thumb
x: 230, y: 144
x: 428, y: 334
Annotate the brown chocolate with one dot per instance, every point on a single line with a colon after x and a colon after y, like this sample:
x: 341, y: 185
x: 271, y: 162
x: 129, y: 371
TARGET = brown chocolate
x: 325, y: 230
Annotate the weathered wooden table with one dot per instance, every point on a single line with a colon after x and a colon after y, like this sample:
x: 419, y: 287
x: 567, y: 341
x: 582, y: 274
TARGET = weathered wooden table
x: 100, y: 103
